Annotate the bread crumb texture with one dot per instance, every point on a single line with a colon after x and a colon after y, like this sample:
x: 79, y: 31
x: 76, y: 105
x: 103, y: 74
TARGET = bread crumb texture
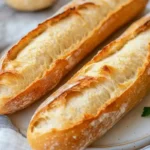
x: 118, y: 72
x: 57, y: 40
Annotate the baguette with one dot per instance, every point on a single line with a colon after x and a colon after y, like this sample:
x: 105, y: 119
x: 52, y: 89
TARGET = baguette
x: 29, y: 5
x: 41, y: 59
x: 98, y: 96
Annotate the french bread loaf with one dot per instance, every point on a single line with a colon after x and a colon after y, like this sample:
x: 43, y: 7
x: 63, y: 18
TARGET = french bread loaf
x: 39, y: 61
x: 98, y: 96
x: 29, y: 5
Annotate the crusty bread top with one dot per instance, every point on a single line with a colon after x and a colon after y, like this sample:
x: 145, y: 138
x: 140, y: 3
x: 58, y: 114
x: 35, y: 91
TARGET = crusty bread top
x: 97, y: 84
x: 37, y: 53
x: 29, y: 5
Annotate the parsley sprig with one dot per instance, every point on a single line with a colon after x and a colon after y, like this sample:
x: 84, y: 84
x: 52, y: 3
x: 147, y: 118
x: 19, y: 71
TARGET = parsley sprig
x: 146, y: 112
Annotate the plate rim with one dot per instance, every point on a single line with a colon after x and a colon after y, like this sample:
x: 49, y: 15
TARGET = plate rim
x: 123, y: 144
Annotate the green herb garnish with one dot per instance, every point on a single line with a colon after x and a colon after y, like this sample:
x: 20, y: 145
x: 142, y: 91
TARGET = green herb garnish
x: 146, y: 112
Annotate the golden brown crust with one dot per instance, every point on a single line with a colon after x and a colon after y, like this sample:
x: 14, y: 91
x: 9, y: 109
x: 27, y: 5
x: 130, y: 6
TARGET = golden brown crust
x: 30, y: 5
x: 83, y: 133
x: 62, y: 66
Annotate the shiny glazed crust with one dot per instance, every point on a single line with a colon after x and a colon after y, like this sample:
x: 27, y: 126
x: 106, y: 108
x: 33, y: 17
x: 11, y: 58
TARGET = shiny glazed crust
x: 52, y: 128
x: 17, y: 95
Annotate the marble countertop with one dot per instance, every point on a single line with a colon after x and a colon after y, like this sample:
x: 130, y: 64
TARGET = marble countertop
x: 15, y: 24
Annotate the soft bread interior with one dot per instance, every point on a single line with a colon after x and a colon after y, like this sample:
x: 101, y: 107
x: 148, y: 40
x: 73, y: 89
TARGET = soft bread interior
x: 58, y: 39
x: 118, y: 72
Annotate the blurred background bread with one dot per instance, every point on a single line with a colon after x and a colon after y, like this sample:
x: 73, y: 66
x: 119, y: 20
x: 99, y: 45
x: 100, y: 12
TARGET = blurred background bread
x: 29, y: 5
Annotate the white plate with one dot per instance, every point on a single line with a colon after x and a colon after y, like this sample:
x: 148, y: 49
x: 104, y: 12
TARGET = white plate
x: 132, y: 132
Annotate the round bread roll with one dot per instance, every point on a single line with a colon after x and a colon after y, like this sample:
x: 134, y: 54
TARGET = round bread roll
x: 29, y: 5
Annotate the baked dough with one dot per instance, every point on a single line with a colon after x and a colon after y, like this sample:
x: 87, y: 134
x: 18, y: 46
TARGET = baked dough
x: 98, y: 96
x: 29, y: 5
x: 37, y: 63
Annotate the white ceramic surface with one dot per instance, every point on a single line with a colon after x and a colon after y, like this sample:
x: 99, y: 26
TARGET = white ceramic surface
x: 132, y: 132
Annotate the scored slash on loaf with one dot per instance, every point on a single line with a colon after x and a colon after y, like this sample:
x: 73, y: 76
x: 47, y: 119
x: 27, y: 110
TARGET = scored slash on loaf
x: 43, y: 57
x: 98, y: 96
